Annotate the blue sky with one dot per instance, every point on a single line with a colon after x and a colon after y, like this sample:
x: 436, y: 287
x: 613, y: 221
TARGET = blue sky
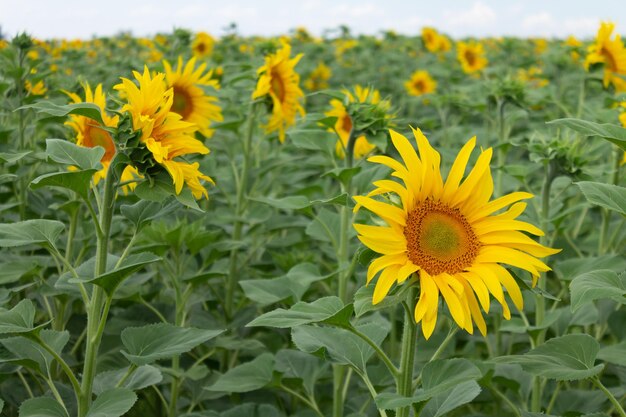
x: 84, y: 18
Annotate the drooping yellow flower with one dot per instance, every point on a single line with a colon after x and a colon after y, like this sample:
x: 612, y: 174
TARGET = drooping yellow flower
x: 611, y: 53
x: 434, y: 41
x: 37, y: 89
x: 279, y: 80
x: 471, y: 55
x: 318, y: 79
x: 202, y: 45
x: 343, y: 125
x: 163, y: 132
x: 190, y: 100
x: 420, y: 83
x: 447, y: 233
x: 90, y: 133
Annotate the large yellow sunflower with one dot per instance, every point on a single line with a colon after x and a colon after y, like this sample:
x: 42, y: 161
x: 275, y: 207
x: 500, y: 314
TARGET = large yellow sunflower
x: 190, y: 100
x: 164, y: 132
x: 202, y: 45
x: 279, y: 80
x: 471, y: 55
x: 420, y: 83
x: 448, y: 234
x: 343, y: 125
x: 611, y: 53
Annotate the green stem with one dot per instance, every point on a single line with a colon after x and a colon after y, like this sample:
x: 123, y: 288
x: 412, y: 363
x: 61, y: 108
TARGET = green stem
x: 381, y: 354
x: 131, y: 369
x: 372, y: 390
x: 439, y: 351
x: 344, y: 237
x: 610, y: 396
x: 404, y: 381
x: 606, y: 213
x: 68, y: 371
x: 501, y: 153
x: 242, y: 186
x: 96, y: 319
x: 339, y: 372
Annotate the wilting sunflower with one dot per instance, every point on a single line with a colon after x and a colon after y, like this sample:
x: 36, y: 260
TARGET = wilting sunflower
x: 433, y: 41
x: 318, y: 79
x: 90, y: 133
x: 163, y: 132
x: 343, y: 125
x: 471, y: 55
x: 190, y: 100
x: 612, y: 54
x: 448, y: 234
x: 279, y: 80
x: 202, y: 45
x: 420, y: 83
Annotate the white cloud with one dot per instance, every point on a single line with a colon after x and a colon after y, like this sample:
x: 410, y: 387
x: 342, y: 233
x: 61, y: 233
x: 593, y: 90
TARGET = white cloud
x: 479, y: 14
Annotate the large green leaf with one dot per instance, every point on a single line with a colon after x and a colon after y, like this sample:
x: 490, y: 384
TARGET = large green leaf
x: 610, y: 132
x: 20, y: 319
x: 246, y: 377
x: 27, y: 349
x: 113, y: 403
x: 77, y: 181
x: 300, y: 365
x: 30, y: 232
x: 89, y: 110
x: 595, y: 285
x: 149, y: 343
x: 68, y: 153
x: 144, y: 376
x: 10, y: 157
x: 42, y: 407
x: 564, y: 358
x: 294, y: 202
x: 614, y: 354
x: 609, y: 196
x: 145, y: 211
x: 319, y: 310
x: 445, y: 402
x: 313, y: 139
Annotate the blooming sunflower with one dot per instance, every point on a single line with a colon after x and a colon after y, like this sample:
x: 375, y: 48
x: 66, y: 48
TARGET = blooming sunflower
x: 448, y: 234
x: 433, y: 41
x: 279, y: 80
x: 202, y: 45
x: 190, y: 101
x: 318, y: 79
x: 420, y: 83
x: 471, y: 55
x: 343, y: 125
x: 611, y: 53
x: 37, y: 89
x: 163, y: 132
x: 90, y: 133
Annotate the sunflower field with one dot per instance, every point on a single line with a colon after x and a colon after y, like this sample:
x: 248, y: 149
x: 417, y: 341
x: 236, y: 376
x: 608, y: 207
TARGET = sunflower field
x: 345, y: 226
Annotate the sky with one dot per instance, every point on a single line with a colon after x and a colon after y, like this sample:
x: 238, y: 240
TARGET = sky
x: 459, y: 18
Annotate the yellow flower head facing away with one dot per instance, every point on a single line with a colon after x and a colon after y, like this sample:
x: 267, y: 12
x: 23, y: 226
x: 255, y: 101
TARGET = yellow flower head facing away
x: 449, y: 233
x: 471, y: 55
x: 202, y: 45
x: 420, y: 83
x: 343, y: 125
x: 163, y: 131
x: 279, y: 81
x: 190, y: 100
x: 611, y: 53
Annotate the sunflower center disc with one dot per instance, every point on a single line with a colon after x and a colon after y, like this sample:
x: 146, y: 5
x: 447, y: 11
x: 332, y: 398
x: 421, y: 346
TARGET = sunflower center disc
x: 470, y: 58
x: 182, y: 103
x: 440, y: 239
x: 96, y: 136
x: 278, y: 86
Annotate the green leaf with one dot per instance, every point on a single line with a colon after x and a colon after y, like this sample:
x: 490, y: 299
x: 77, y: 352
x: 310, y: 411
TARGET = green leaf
x: 113, y: 403
x: 77, y: 181
x: 20, y: 319
x: 445, y: 402
x: 295, y: 202
x: 300, y: 313
x: 246, y: 377
x: 89, y: 110
x: 612, y: 197
x: 30, y: 232
x: 68, y: 153
x: 595, y: 285
x: 42, y: 407
x: 145, y: 211
x: 12, y: 271
x: 363, y: 299
x: 160, y: 341
x: 564, y: 358
x: 111, y: 280
x: 614, y: 354
x: 342, y: 174
x: 10, y: 157
x: 300, y: 365
x: 24, y: 348
x: 144, y: 376
x: 610, y: 132
x: 162, y: 188
x: 313, y: 139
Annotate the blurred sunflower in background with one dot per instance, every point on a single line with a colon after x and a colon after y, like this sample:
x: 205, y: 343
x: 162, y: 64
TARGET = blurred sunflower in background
x: 163, y: 132
x: 190, y: 100
x: 471, y: 55
x: 434, y: 41
x: 318, y: 78
x: 202, y: 45
x: 448, y: 234
x: 611, y: 53
x: 279, y: 81
x: 37, y: 89
x: 420, y: 83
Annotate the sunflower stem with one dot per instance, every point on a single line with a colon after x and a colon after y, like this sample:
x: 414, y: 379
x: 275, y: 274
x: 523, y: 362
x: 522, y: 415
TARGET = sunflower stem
x: 404, y: 381
x: 616, y: 404
x: 606, y: 213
